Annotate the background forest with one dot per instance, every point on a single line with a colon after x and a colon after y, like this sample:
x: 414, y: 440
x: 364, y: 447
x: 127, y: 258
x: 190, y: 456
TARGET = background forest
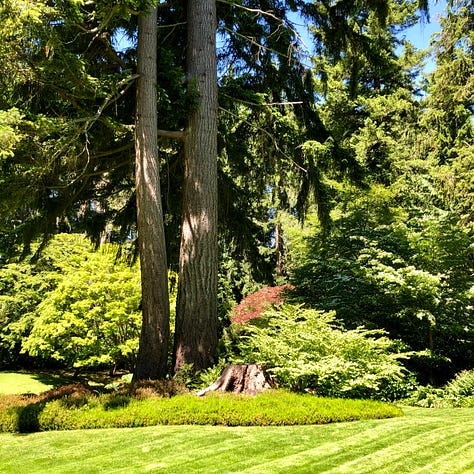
x: 346, y: 172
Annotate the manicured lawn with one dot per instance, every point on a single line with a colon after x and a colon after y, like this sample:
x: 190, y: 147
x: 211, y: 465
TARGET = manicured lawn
x: 15, y: 382
x: 38, y: 382
x: 423, y: 441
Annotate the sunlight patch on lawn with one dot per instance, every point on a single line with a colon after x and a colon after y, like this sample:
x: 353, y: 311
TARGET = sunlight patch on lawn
x: 17, y: 383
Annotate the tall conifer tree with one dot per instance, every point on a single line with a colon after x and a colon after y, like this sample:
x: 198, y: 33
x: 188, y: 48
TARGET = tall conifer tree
x: 196, y: 311
x: 154, y: 339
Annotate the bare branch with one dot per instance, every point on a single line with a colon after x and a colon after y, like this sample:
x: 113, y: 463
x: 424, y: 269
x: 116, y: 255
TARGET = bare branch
x: 270, y: 14
x: 264, y: 104
x: 256, y: 43
x: 253, y: 10
x: 174, y: 134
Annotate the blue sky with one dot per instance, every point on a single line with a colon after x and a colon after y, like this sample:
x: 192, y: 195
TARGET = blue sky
x: 421, y: 33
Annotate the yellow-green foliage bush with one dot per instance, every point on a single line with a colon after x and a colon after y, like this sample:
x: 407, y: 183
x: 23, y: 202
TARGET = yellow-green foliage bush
x: 306, y: 350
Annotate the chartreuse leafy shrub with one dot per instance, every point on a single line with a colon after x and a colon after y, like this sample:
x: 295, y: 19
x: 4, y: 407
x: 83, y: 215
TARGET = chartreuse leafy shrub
x: 22, y: 288
x: 76, y: 408
x: 305, y: 350
x: 91, y: 319
x: 459, y: 392
x: 75, y: 305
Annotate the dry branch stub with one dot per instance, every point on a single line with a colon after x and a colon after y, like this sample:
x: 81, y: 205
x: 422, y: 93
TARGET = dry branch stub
x: 249, y: 379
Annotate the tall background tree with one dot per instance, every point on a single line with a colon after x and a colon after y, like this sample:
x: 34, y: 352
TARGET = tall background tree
x: 196, y: 312
x: 152, y: 361
x: 398, y: 256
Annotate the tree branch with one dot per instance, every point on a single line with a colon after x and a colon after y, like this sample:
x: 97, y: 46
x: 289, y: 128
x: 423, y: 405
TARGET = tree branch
x: 173, y: 134
x: 266, y: 132
x: 270, y: 14
x: 263, y: 104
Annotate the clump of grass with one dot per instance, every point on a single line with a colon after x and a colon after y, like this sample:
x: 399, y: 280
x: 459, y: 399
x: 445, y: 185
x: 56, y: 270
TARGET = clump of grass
x: 80, y: 410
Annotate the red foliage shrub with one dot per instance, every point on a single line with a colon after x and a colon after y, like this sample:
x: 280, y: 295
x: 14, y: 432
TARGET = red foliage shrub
x: 254, y: 305
x: 153, y: 388
x: 77, y: 390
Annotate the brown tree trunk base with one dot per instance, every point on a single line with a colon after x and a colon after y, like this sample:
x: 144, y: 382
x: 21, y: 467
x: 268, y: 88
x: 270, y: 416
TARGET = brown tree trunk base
x: 249, y: 379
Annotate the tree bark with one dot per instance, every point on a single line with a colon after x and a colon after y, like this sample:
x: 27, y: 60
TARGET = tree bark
x: 246, y: 378
x: 154, y: 339
x: 196, y: 308
x: 279, y: 250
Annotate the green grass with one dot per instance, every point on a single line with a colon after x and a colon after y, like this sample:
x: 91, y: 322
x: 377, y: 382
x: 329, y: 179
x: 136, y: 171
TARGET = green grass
x: 17, y: 382
x: 423, y: 441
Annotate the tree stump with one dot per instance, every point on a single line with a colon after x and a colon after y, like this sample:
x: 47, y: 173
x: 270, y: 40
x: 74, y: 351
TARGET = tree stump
x: 249, y: 379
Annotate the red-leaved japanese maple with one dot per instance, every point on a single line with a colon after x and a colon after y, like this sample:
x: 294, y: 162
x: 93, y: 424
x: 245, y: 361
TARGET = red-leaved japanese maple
x: 254, y: 305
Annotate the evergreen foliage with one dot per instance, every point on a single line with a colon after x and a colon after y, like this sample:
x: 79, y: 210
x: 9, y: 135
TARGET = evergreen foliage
x: 408, y: 276
x: 399, y: 253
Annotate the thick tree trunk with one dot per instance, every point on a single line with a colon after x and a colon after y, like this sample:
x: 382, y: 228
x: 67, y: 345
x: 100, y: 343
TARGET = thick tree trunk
x: 196, y: 308
x: 154, y: 339
x: 246, y: 378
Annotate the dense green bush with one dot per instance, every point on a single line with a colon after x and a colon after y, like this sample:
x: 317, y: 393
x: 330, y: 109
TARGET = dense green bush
x: 462, y: 385
x: 390, y: 263
x: 92, y: 318
x: 75, y: 306
x: 459, y: 392
x: 117, y: 410
x: 305, y: 350
x: 22, y: 288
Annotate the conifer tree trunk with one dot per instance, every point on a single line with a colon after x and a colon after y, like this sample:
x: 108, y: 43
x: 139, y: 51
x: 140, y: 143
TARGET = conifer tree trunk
x: 196, y: 309
x: 279, y: 250
x: 154, y: 339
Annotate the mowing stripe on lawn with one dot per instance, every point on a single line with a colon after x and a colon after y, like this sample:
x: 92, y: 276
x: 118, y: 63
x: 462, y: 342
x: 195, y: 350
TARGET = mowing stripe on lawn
x: 329, y: 454
x: 459, y: 460
x: 407, y: 455
x: 375, y: 446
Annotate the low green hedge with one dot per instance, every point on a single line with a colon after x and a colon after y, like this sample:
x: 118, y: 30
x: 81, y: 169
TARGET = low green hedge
x: 120, y: 410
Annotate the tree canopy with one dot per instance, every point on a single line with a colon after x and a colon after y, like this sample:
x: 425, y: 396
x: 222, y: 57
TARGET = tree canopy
x: 347, y: 171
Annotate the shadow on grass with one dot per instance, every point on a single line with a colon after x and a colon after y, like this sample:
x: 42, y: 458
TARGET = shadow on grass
x: 117, y: 401
x: 28, y: 417
x: 28, y: 414
x: 65, y: 377
x: 54, y: 380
